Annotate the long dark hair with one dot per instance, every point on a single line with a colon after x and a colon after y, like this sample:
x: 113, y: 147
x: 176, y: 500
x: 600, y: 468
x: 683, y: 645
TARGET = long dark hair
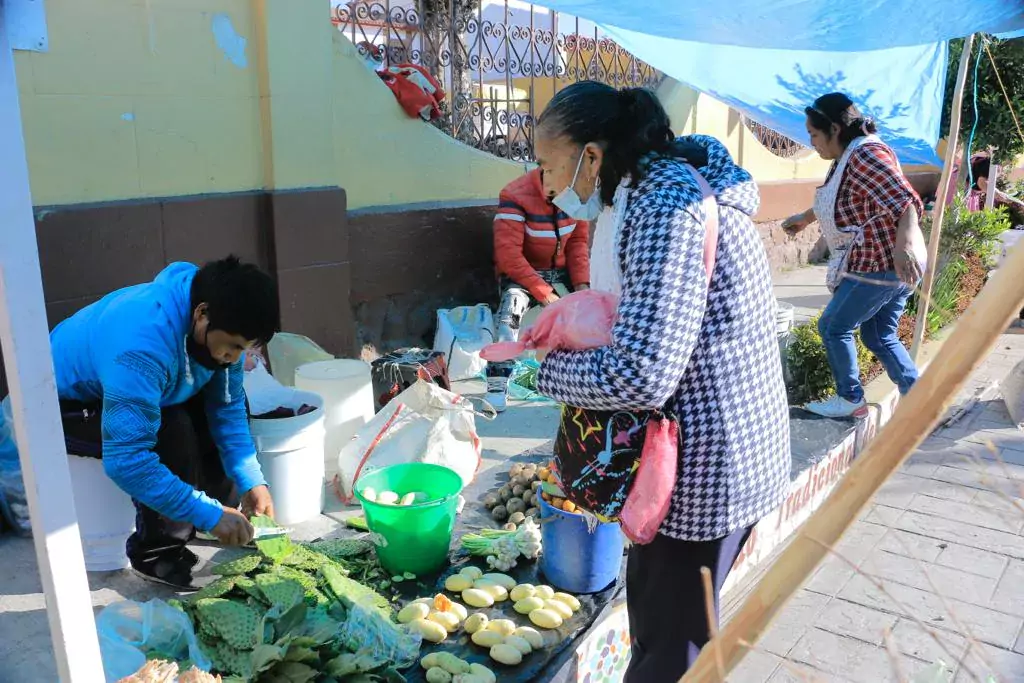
x: 629, y: 124
x: 838, y: 109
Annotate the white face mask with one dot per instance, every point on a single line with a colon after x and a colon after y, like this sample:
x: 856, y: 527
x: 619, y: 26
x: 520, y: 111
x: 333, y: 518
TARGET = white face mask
x: 568, y: 200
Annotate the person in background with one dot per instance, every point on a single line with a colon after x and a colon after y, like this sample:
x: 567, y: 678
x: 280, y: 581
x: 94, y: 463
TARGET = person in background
x: 150, y: 380
x: 707, y: 353
x: 981, y: 166
x: 869, y: 214
x: 540, y: 252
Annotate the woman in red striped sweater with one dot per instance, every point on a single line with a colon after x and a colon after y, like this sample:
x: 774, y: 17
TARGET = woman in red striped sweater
x: 540, y: 253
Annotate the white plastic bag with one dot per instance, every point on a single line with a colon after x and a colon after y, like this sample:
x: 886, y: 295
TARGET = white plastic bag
x: 1012, y: 388
x: 129, y: 631
x: 461, y: 334
x: 288, y: 351
x: 424, y: 423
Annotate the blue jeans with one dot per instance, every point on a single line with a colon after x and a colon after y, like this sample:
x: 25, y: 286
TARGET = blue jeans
x: 876, y: 310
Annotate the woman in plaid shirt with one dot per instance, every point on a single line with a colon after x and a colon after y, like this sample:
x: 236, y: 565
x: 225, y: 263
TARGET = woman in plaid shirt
x: 868, y: 213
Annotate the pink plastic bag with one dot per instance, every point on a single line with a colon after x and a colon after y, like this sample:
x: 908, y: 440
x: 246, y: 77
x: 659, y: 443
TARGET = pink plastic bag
x: 581, y: 320
x: 650, y: 496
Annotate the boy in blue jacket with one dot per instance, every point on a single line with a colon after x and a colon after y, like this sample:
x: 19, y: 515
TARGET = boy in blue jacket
x: 150, y: 380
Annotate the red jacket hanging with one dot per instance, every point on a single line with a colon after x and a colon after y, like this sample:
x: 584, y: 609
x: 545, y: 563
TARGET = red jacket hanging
x: 418, y: 93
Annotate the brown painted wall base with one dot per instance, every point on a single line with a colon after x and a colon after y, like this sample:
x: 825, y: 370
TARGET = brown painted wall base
x: 344, y: 280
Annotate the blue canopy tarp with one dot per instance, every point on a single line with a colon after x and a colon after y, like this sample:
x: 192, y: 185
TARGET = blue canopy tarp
x: 824, y: 25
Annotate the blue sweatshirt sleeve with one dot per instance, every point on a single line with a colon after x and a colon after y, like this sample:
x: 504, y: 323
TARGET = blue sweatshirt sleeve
x: 133, y: 382
x: 229, y: 425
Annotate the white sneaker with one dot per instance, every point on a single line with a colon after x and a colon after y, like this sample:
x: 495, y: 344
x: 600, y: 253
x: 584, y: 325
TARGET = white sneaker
x: 836, y: 406
x: 497, y: 393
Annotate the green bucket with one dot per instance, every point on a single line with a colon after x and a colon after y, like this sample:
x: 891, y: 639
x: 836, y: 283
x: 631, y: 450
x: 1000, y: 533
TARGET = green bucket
x: 412, y: 538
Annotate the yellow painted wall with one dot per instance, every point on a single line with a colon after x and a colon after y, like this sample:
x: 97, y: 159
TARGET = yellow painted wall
x: 135, y: 99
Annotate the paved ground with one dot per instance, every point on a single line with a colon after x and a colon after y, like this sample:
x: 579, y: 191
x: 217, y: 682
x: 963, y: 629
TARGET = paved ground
x: 940, y: 553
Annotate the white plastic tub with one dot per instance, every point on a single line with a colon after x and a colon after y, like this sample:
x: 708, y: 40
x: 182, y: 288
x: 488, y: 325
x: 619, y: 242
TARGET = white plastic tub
x: 347, y: 392
x: 106, y: 515
x: 291, y: 454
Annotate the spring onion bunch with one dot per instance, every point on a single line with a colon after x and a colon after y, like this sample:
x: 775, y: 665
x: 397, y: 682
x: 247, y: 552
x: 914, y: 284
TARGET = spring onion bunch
x: 504, y: 548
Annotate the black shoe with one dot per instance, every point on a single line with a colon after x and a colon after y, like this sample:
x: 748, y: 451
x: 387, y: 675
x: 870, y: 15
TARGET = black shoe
x: 170, y: 569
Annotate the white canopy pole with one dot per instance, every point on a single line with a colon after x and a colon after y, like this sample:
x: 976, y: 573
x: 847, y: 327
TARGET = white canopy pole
x: 26, y: 346
x: 939, y: 213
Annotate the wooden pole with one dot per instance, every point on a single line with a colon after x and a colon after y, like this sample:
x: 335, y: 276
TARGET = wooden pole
x: 44, y: 461
x: 939, y: 212
x: 975, y: 335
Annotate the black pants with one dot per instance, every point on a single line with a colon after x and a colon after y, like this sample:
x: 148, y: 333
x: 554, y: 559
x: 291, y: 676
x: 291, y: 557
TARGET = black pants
x: 185, y: 446
x: 665, y: 599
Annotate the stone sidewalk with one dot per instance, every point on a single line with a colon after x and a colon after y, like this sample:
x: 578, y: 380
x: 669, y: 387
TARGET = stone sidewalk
x: 939, y: 560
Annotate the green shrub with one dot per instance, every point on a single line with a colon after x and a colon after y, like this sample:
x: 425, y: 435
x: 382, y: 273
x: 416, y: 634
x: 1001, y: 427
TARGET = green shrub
x: 808, y: 364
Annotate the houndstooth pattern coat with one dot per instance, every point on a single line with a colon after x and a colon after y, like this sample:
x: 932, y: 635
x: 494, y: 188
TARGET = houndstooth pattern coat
x: 712, y: 356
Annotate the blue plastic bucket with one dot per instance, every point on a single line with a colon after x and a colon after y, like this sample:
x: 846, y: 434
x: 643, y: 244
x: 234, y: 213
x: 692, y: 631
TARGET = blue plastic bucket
x: 575, y: 559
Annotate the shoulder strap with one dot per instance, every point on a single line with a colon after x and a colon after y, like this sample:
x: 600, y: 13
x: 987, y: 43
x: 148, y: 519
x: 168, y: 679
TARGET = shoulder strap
x: 711, y: 225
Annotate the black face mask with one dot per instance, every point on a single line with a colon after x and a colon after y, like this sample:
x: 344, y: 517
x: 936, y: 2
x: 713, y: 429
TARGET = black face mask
x: 200, y: 353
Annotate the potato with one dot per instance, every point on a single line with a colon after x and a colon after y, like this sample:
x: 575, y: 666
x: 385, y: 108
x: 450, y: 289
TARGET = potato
x: 545, y: 618
x: 499, y: 513
x: 505, y: 627
x: 458, y: 610
x: 452, y: 664
x: 543, y: 473
x: 408, y: 499
x: 557, y: 503
x: 504, y: 493
x: 506, y: 654
x: 431, y: 631
x: 528, y: 498
x: 456, y: 583
x: 518, y: 490
x: 387, y: 498
x: 515, y: 505
x: 515, y: 470
x: 491, y: 500
x: 534, y: 486
x: 476, y: 622
x: 474, y: 597
x: 430, y: 661
x: 570, y: 600
x: 451, y: 621
x: 560, y: 608
x: 527, y: 605
x: 370, y: 494
x: 438, y: 675
x: 483, y: 672
x: 522, y: 591
x: 503, y: 580
x: 471, y: 572
x: 520, y: 644
x: 497, y: 593
x: 530, y: 635
x: 568, y: 506
x: 546, y: 592
x: 487, y: 638
x: 412, y: 612
x: 511, y: 526
x: 533, y: 512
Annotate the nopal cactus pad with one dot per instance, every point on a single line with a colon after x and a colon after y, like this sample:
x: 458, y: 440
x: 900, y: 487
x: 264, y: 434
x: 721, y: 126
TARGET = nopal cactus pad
x: 241, y: 565
x: 234, y: 622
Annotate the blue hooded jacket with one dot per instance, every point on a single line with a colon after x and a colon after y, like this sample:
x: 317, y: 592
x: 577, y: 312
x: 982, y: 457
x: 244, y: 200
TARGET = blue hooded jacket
x: 128, y: 351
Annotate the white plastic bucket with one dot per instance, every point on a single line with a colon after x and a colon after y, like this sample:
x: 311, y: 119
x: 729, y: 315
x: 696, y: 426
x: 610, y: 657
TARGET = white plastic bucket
x: 106, y: 515
x: 291, y: 454
x: 347, y: 392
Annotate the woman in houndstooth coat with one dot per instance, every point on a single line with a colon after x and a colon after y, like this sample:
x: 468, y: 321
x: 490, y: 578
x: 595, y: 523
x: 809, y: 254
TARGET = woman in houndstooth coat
x: 706, y: 351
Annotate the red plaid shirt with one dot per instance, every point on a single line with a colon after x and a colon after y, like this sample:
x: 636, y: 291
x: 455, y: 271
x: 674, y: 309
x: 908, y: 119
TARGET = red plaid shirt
x: 874, y: 194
